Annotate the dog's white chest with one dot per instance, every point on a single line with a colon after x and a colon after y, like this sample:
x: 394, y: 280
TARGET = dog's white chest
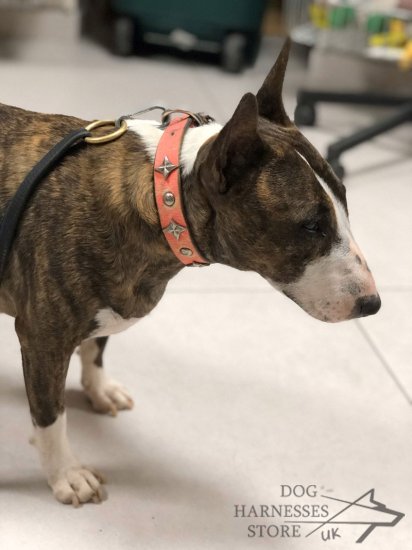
x: 109, y: 322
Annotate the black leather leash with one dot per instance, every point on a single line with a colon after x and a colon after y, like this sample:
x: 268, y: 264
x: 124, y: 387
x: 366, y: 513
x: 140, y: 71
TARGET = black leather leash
x: 18, y: 203
x: 15, y: 208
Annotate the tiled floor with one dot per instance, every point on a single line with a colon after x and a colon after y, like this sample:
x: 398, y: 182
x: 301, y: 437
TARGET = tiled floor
x: 253, y: 394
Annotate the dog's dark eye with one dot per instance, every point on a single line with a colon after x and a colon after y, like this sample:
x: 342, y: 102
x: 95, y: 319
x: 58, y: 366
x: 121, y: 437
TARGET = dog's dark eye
x: 312, y: 227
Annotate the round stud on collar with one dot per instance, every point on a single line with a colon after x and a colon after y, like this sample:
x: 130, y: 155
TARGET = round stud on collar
x: 168, y: 198
x: 186, y: 251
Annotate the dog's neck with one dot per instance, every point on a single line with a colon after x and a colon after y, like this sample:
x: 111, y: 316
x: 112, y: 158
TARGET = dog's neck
x: 150, y: 132
x: 196, y: 205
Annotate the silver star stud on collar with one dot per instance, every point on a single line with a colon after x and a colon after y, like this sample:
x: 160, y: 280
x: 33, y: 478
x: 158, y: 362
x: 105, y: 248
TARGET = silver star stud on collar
x: 175, y: 229
x: 166, y: 167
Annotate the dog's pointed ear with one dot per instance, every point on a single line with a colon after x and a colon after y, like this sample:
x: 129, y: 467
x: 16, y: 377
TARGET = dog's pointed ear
x: 269, y: 97
x: 237, y: 147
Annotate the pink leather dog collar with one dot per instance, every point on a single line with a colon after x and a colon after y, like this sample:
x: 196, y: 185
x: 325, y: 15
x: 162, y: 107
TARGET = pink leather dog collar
x: 168, y: 193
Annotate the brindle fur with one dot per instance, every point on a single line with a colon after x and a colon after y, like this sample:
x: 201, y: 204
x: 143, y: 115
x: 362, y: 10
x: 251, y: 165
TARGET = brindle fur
x: 90, y: 238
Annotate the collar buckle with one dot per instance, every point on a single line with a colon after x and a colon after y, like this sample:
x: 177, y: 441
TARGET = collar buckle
x: 199, y: 118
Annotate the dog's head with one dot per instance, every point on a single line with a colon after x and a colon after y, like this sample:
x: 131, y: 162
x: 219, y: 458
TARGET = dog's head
x: 280, y: 210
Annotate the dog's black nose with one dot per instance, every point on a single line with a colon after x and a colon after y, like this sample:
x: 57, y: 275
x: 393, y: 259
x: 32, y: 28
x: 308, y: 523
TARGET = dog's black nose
x: 368, y: 305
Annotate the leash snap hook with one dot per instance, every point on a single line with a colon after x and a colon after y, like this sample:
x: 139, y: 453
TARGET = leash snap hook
x: 107, y: 137
x: 135, y: 115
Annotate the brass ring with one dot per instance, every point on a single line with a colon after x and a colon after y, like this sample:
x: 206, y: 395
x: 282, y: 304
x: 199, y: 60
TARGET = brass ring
x: 108, y: 137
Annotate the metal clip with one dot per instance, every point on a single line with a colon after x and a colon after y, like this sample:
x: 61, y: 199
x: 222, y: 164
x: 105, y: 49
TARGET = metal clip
x: 135, y: 115
x: 199, y: 118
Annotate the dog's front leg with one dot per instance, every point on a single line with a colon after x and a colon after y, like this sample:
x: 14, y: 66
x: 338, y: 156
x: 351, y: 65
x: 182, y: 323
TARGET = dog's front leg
x: 45, y: 363
x: 106, y: 395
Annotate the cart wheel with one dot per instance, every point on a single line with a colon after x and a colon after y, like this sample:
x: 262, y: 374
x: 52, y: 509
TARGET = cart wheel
x: 123, y: 36
x: 337, y: 168
x: 234, y: 52
x: 305, y: 114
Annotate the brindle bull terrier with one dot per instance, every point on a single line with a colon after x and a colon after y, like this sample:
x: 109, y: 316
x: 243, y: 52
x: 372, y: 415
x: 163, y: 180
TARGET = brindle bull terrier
x: 90, y: 257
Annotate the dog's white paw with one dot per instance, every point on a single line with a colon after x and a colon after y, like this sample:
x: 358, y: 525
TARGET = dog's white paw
x: 77, y: 485
x: 108, y: 396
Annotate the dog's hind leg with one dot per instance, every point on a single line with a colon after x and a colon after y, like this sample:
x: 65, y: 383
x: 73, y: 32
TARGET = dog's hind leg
x: 106, y: 395
x: 45, y: 363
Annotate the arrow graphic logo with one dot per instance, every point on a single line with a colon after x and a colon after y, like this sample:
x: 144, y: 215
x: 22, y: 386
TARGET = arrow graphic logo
x: 365, y: 510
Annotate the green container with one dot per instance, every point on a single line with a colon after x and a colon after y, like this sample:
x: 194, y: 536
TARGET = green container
x: 228, y: 27
x: 377, y: 23
x: 341, y: 16
x: 207, y: 19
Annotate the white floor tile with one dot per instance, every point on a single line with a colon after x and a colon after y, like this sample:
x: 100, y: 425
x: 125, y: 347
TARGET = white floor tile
x: 110, y: 91
x: 217, y: 278
x: 235, y: 396
x: 381, y: 220
x: 391, y: 331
